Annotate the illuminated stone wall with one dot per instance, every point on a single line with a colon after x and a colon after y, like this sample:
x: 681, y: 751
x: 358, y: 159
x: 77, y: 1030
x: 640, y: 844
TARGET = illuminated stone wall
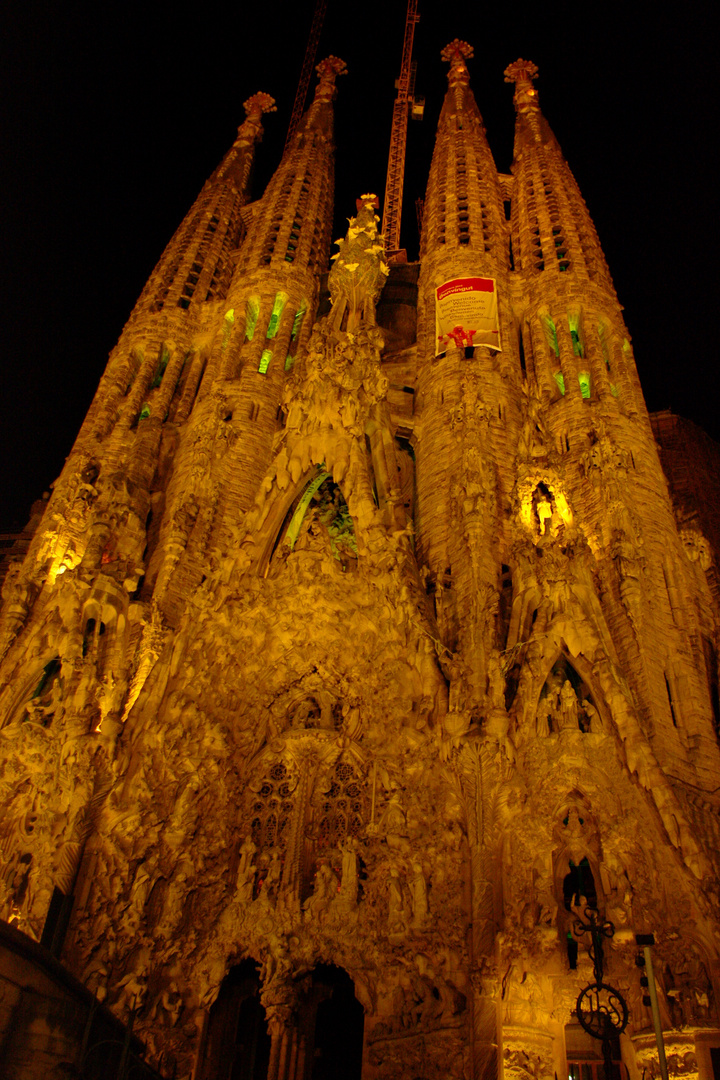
x: 339, y: 674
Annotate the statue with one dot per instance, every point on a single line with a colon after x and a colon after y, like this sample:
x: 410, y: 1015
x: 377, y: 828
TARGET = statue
x: 324, y: 892
x: 270, y: 884
x: 245, y: 880
x: 568, y: 713
x: 392, y: 822
x: 544, y: 512
x: 349, y: 883
x: 543, y: 719
x: 418, y: 893
x: 590, y: 720
x: 396, y: 903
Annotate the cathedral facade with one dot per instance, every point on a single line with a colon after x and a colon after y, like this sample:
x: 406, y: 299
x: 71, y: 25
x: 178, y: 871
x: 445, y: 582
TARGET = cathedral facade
x: 358, y: 676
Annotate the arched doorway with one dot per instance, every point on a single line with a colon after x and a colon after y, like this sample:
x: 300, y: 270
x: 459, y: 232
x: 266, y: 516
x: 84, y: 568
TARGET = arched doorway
x: 337, y: 1020
x: 237, y: 1043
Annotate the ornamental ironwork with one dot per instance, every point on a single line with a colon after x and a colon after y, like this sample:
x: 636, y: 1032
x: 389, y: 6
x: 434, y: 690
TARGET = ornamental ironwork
x: 600, y: 1008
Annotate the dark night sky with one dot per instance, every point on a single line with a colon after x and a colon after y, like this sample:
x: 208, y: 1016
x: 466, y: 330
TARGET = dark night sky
x: 114, y: 114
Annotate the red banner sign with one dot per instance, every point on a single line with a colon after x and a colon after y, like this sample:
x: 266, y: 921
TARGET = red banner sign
x: 466, y: 314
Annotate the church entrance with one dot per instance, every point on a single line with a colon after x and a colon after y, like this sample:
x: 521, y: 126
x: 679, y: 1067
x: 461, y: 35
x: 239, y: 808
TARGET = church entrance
x: 237, y: 1043
x: 323, y: 1040
x: 335, y: 1021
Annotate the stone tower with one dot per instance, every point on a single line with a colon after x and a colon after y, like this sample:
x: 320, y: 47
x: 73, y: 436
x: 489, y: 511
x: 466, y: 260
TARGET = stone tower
x: 358, y: 657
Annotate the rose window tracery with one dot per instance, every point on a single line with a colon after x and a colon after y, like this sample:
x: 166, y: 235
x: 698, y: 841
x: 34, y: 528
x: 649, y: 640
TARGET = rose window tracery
x: 340, y: 810
x: 271, y: 807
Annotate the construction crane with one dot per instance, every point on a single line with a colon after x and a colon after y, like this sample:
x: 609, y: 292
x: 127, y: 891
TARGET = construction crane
x: 392, y: 206
x: 307, y: 69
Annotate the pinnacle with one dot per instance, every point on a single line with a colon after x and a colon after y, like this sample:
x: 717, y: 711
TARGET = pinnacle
x: 455, y: 54
x: 521, y: 71
x: 457, y: 51
x: 328, y: 70
x: 259, y: 103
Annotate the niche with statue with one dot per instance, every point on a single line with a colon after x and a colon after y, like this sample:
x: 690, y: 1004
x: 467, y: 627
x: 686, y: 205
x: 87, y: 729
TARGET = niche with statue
x: 566, y: 703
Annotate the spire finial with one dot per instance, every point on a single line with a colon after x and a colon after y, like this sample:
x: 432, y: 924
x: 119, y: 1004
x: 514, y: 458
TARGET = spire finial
x: 522, y: 73
x: 251, y: 130
x: 455, y: 54
x: 328, y: 71
x: 258, y: 104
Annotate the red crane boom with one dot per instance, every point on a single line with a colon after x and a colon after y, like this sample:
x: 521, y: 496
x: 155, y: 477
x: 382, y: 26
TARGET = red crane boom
x: 392, y: 206
x: 307, y: 69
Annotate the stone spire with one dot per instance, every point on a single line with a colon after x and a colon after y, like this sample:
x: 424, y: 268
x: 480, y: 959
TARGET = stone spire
x: 196, y: 265
x: 551, y: 227
x: 293, y: 224
x: 463, y: 204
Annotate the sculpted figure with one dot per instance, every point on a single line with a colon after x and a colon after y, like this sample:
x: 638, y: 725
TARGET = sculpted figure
x: 568, y: 707
x: 396, y: 905
x: 544, y: 513
x: 495, y: 683
x: 591, y: 719
x: 271, y: 882
x: 245, y: 880
x: 349, y: 885
x: 543, y: 722
x: 325, y: 891
x: 392, y: 823
x: 418, y: 893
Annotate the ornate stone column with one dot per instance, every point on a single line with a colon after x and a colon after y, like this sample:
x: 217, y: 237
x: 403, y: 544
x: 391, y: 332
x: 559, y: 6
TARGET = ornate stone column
x: 679, y: 1050
x: 527, y: 1052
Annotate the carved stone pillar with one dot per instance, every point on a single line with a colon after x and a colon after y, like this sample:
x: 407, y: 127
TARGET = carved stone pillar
x: 281, y: 1015
x: 528, y: 1052
x: 679, y: 1051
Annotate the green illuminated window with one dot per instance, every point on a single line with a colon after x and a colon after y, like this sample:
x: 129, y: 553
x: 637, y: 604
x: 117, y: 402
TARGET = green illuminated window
x: 280, y: 301
x: 160, y: 370
x: 584, y: 380
x: 574, y: 324
x: 560, y: 380
x: 265, y: 361
x: 551, y: 334
x: 252, y: 314
x: 227, y: 327
x: 614, y: 391
x: 295, y: 334
x: 297, y: 322
x: 145, y: 411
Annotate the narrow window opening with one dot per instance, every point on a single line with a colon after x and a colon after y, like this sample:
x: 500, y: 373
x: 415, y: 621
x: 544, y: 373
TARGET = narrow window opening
x: 602, y: 334
x: 711, y: 667
x: 160, y: 369
x: 574, y: 325
x: 280, y: 301
x: 265, y: 361
x: 551, y: 335
x: 584, y: 380
x: 252, y: 313
x: 560, y: 380
x: 521, y: 350
x: 670, y: 701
